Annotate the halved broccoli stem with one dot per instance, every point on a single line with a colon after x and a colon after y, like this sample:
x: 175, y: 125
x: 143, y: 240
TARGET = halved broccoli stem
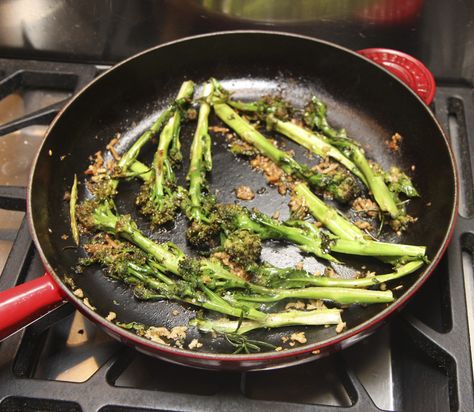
x: 316, y: 116
x: 244, y: 106
x: 72, y: 212
x: 340, y: 186
x: 273, y: 320
x: 346, y: 230
x: 257, y: 319
x: 132, y: 153
x: 197, y: 297
x: 162, y: 160
x: 327, y: 215
x: 376, y: 183
x: 342, y: 296
x: 103, y: 219
x: 365, y: 247
x: 314, y: 142
x: 159, y: 197
x: 199, y: 206
x: 288, y: 278
x: 308, y: 237
x: 235, y: 217
x: 141, y: 170
x: 201, y: 159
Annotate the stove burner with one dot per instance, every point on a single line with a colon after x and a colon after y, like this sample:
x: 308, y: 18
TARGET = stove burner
x: 421, y: 360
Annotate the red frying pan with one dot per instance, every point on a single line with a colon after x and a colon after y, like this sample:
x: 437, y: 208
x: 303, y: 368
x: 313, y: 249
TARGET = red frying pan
x: 369, y: 101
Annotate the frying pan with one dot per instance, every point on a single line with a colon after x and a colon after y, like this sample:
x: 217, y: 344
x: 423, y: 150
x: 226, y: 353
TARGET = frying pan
x: 370, y: 102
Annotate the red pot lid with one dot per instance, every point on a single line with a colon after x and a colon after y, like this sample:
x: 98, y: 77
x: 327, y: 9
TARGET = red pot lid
x: 408, y: 69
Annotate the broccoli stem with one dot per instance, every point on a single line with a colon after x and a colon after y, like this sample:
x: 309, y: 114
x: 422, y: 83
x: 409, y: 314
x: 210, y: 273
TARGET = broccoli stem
x: 315, y: 143
x: 201, y: 160
x: 159, y: 197
x: 311, y: 241
x: 184, y: 93
x: 131, y: 154
x: 376, y: 183
x: 327, y: 215
x: 129, y: 157
x: 142, y: 171
x: 207, y: 300
x: 338, y: 295
x: 354, y: 152
x: 105, y: 220
x: 268, y: 228
x: 352, y: 240
x: 371, y: 248
x: 339, y: 186
x: 291, y: 278
x: 255, y: 138
x: 72, y: 212
x: 272, y: 320
x: 170, y: 133
x: 244, y: 106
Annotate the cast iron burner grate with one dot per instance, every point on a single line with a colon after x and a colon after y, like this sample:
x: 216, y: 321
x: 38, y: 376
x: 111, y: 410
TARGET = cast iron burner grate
x: 421, y: 360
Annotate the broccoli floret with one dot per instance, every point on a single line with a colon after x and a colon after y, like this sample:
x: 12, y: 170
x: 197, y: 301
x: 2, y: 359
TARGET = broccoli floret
x: 160, y: 210
x: 160, y: 198
x: 243, y: 247
x: 399, y: 182
x: 117, y: 256
x: 343, y: 187
x: 203, y: 234
x: 84, y: 213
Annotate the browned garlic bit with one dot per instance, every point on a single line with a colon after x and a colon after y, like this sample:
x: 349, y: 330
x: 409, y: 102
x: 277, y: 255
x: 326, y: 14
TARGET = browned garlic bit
x: 340, y: 327
x: 88, y: 304
x: 298, y: 337
x: 361, y: 224
x: 78, y: 293
x: 298, y: 305
x: 244, y: 193
x: 367, y: 206
x: 176, y: 334
x: 195, y: 344
x: 394, y: 142
x: 111, y: 316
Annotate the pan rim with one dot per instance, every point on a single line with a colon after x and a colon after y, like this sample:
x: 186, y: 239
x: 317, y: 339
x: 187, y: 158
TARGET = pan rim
x: 266, y: 356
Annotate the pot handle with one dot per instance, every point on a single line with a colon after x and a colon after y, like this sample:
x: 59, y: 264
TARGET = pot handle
x: 409, y: 70
x: 27, y: 302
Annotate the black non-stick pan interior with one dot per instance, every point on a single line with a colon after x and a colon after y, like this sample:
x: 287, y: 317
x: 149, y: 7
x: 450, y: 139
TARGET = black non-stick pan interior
x: 368, y: 102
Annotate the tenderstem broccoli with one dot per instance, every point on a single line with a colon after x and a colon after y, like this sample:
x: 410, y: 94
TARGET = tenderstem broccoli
x: 210, y: 272
x: 334, y: 294
x: 290, y: 278
x: 314, y: 142
x: 135, y: 267
x: 340, y: 185
x: 339, y: 224
x: 128, y: 158
x: 203, y: 228
x: 273, y: 320
x: 307, y: 236
x: 316, y: 116
x: 327, y: 215
x: 275, y: 112
x: 160, y: 197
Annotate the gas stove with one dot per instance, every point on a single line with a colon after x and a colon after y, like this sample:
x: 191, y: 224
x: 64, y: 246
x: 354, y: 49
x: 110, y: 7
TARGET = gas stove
x: 420, y: 360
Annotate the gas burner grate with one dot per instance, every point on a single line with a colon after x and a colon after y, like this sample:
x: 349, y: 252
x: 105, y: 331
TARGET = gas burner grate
x: 421, y: 360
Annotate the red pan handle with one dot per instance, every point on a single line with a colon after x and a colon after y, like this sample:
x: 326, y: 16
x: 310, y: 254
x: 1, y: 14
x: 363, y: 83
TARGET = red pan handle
x: 409, y: 70
x: 25, y: 303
